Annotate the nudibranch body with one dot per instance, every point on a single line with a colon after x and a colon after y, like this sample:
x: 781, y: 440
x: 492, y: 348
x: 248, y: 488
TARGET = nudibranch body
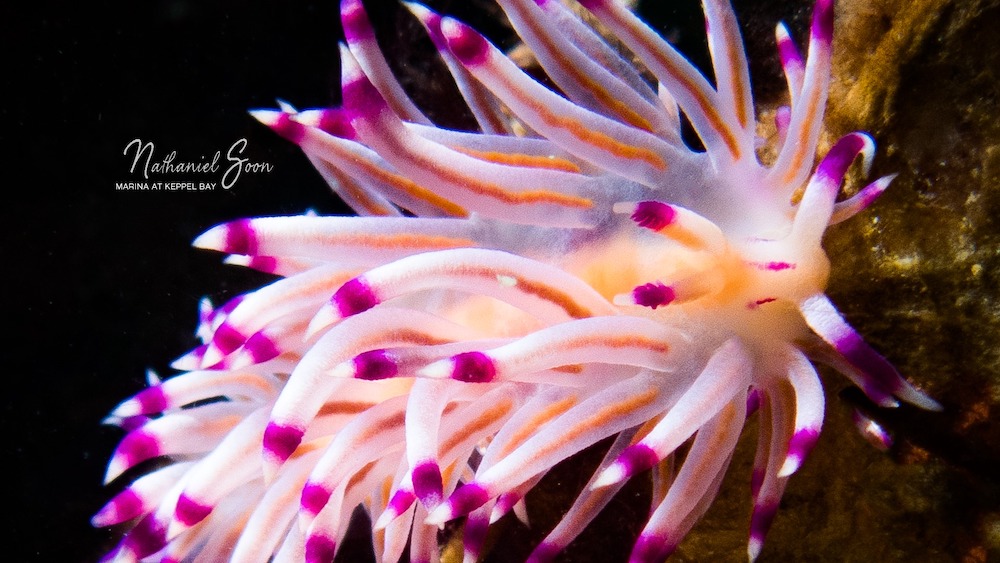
x: 570, y: 272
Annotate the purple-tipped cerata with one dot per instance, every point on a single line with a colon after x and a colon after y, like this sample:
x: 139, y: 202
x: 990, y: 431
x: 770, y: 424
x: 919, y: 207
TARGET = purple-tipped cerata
x: 125, y: 506
x: 320, y: 549
x: 834, y: 165
x: 151, y: 400
x: 374, y: 365
x: 314, y: 498
x: 822, y: 25
x: 473, y: 367
x: 466, y: 499
x: 361, y: 98
x: 290, y: 130
x: 281, y: 440
x: 563, y: 270
x: 240, y: 237
x: 400, y: 502
x: 189, y: 511
x: 761, y: 520
x: 337, y: 123
x: 146, y: 538
x: 427, y: 483
x: 468, y: 46
x: 650, y: 549
x: 355, y: 20
x: 354, y: 297
x: 261, y: 348
x: 802, y: 443
x: 637, y: 458
x: 138, y: 446
x: 788, y: 52
x: 227, y: 338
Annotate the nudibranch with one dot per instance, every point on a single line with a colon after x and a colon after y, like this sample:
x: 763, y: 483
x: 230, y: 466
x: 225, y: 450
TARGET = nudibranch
x: 570, y: 272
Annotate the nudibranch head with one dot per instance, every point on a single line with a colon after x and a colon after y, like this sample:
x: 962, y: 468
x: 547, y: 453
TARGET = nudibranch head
x: 568, y: 272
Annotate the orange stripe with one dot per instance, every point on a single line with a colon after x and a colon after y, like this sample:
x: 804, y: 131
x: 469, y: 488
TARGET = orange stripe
x: 447, y: 471
x: 415, y: 241
x: 683, y: 235
x: 711, y: 114
x: 386, y: 489
x: 602, y: 416
x: 517, y: 159
x: 787, y: 391
x: 361, y: 474
x: 707, y: 108
x: 665, y: 473
x: 220, y: 424
x: 311, y: 446
x: 245, y: 380
x: 645, y: 429
x: 477, y: 186
x: 799, y: 155
x: 344, y: 407
x: 486, y: 418
x: 739, y: 86
x: 553, y: 295
x: 494, y: 191
x: 713, y: 449
x: 622, y: 341
x: 394, y: 421
x: 331, y: 283
x: 413, y: 189
x: 409, y: 336
x: 232, y: 535
x: 291, y: 356
x: 529, y: 427
x: 591, y: 137
x: 614, y: 105
x: 380, y: 174
x: 540, y: 290
x: 353, y: 191
x: 479, y: 95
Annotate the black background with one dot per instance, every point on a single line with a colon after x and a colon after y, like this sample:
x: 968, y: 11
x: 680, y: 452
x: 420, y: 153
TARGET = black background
x: 104, y: 283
